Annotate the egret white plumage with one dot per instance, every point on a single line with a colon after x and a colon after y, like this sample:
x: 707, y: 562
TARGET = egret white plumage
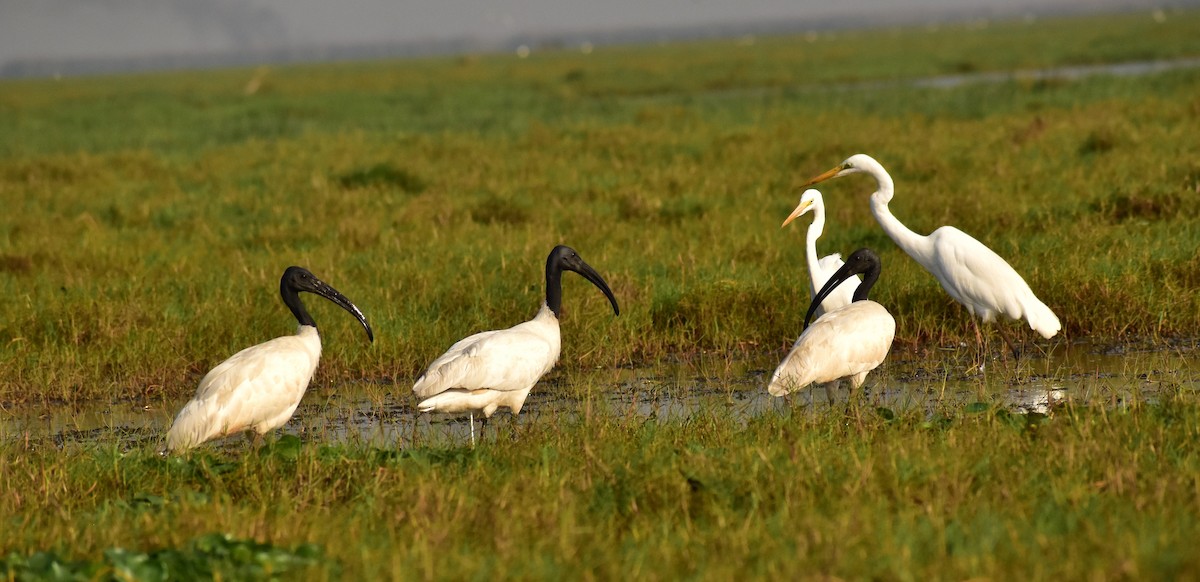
x: 819, y: 270
x: 847, y: 342
x: 969, y: 271
x: 258, y: 388
x: 498, y: 368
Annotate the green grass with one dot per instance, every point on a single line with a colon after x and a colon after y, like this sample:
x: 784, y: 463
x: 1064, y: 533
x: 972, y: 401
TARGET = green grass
x: 1085, y: 494
x: 204, y: 558
x: 150, y: 217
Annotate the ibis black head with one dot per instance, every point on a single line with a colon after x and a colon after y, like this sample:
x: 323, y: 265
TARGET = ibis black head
x: 565, y: 258
x: 863, y: 261
x: 298, y: 279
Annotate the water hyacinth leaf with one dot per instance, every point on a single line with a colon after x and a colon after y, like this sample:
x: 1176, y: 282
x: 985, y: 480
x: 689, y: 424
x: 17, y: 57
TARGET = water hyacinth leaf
x: 135, y: 565
x: 44, y: 566
x: 977, y: 407
x: 210, y: 556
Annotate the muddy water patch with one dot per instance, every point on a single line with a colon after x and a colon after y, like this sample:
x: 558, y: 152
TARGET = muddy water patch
x: 936, y: 383
x: 1027, y: 77
x: 1065, y: 73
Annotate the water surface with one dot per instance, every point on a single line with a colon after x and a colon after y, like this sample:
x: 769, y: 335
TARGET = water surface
x: 383, y: 414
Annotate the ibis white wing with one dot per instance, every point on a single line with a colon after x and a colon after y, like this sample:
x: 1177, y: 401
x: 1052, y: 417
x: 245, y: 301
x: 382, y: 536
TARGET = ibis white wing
x: 510, y: 359
x: 846, y: 342
x: 257, y: 388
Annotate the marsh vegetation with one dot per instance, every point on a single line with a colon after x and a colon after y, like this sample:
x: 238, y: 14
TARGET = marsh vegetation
x: 149, y: 218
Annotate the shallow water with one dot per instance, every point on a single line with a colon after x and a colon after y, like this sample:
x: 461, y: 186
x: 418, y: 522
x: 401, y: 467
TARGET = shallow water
x: 1072, y: 73
x: 956, y: 80
x: 939, y: 382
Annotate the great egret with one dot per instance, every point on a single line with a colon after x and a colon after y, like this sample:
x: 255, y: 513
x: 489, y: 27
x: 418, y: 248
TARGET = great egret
x: 819, y: 270
x: 970, y: 272
x: 498, y: 368
x: 847, y: 342
x: 258, y: 388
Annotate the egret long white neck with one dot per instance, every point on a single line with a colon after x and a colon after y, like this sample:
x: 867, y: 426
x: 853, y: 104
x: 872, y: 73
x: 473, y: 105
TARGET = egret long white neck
x: 810, y: 250
x: 915, y: 245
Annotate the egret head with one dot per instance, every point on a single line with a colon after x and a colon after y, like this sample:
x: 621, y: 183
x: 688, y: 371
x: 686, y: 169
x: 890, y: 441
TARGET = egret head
x: 811, y: 199
x: 855, y: 164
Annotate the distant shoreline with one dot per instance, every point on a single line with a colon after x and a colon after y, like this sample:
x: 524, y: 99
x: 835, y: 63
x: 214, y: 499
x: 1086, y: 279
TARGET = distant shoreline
x: 28, y: 68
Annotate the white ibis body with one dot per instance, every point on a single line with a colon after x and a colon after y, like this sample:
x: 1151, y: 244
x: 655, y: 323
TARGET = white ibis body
x: 258, y: 388
x: 497, y: 369
x: 970, y: 272
x: 847, y: 342
x: 819, y: 270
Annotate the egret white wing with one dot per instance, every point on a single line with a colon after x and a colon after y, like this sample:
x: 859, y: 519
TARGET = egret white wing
x: 986, y: 284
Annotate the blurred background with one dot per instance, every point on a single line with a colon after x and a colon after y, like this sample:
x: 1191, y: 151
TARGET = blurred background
x: 41, y: 38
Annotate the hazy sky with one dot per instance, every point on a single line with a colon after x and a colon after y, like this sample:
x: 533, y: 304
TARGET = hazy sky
x: 63, y: 29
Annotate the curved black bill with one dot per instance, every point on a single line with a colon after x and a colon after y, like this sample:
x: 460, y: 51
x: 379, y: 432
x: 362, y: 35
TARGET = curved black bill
x: 324, y: 290
x: 845, y: 272
x: 587, y: 272
x: 863, y: 261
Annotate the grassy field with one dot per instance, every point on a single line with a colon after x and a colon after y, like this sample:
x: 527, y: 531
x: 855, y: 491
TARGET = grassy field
x: 151, y: 216
x: 1089, y: 494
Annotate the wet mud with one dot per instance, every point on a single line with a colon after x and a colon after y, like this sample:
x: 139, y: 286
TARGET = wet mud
x: 938, y: 382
